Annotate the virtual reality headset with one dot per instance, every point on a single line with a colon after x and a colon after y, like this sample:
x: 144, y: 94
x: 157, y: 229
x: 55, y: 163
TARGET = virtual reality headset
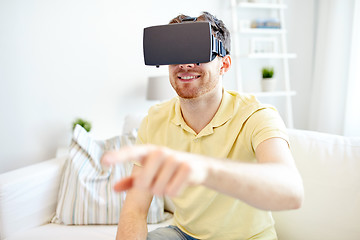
x: 181, y: 43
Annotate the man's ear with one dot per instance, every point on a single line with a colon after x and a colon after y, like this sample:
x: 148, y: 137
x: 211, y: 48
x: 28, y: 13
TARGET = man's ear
x: 225, y: 64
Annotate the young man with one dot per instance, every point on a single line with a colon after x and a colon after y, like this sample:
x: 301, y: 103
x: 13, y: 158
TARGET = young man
x: 223, y: 157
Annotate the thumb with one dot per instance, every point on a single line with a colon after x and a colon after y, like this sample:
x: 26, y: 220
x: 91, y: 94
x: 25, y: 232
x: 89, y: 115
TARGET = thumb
x: 124, y: 184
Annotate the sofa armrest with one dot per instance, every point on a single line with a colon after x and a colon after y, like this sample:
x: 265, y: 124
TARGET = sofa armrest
x: 329, y: 165
x: 28, y: 196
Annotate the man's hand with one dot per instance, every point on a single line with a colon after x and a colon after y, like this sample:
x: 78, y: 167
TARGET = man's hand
x: 162, y: 171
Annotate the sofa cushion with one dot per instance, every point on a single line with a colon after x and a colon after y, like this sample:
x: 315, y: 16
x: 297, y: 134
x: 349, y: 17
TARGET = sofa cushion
x: 88, y: 232
x: 330, y: 168
x: 28, y: 196
x: 86, y: 195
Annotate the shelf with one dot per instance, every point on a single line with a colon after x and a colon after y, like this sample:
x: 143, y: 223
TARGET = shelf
x: 269, y: 56
x: 274, y: 94
x: 261, y: 31
x: 261, y: 5
x: 264, y: 45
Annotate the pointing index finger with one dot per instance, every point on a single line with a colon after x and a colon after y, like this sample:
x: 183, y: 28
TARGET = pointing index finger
x: 126, y: 154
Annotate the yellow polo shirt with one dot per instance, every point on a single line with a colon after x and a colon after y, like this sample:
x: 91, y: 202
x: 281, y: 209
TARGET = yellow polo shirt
x: 239, y: 126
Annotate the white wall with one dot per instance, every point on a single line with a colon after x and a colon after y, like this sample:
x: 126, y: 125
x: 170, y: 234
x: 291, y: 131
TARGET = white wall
x: 65, y: 59
x: 300, y: 16
x: 71, y: 58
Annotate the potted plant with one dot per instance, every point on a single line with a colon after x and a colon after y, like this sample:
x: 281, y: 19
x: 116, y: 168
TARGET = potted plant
x: 268, y: 83
x: 64, y: 151
x: 84, y: 123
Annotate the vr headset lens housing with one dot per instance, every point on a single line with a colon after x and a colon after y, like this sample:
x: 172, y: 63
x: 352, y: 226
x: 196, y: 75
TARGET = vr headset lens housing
x: 183, y: 43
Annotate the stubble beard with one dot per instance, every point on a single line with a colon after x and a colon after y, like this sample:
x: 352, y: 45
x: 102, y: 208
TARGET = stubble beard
x: 188, y: 91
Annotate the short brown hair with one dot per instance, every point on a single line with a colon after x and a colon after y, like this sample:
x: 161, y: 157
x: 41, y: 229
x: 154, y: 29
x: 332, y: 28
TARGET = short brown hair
x: 217, y: 26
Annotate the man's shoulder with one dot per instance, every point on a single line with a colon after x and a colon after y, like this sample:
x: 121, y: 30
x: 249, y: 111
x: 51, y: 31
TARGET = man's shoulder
x: 245, y: 99
x: 244, y: 102
x: 246, y: 105
x: 163, y: 110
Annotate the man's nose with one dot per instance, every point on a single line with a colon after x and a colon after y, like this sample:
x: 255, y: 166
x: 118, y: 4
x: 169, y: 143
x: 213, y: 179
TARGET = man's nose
x: 187, y: 65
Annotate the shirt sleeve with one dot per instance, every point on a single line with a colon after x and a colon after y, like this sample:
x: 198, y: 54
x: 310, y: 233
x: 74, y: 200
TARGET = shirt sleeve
x: 264, y: 124
x: 142, y: 132
x: 141, y: 136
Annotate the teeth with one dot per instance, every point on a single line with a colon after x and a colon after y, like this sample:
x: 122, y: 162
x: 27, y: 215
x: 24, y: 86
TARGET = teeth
x: 188, y: 77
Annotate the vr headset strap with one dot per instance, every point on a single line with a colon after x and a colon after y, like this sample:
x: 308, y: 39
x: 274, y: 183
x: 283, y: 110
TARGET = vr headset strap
x: 217, y: 48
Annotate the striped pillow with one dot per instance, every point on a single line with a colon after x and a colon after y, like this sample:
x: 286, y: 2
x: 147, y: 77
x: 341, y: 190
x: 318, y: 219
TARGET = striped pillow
x: 86, y: 195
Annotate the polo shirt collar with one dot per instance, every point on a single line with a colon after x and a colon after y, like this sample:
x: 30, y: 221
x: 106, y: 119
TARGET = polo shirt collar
x: 223, y: 114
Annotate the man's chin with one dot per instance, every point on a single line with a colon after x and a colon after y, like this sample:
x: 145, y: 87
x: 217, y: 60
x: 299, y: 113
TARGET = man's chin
x: 187, y: 96
x: 190, y: 95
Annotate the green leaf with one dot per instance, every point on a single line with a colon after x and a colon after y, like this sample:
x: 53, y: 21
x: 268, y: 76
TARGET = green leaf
x: 83, y: 123
x: 267, y: 72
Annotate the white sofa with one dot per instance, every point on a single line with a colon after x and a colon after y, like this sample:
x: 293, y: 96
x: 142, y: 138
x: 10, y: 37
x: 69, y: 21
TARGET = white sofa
x: 329, y: 165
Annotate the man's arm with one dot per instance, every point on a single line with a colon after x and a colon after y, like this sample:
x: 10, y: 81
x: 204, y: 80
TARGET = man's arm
x: 132, y: 224
x: 272, y: 184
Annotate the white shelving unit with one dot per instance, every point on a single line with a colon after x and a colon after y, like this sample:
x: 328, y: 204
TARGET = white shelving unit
x: 261, y: 31
x: 256, y: 8
x: 255, y: 4
x: 269, y: 55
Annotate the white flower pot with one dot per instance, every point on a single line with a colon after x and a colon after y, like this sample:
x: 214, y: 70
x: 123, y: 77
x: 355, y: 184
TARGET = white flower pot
x: 268, y: 84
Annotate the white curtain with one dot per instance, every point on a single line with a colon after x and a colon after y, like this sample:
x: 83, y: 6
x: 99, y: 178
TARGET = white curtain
x: 335, y: 98
x: 352, y: 110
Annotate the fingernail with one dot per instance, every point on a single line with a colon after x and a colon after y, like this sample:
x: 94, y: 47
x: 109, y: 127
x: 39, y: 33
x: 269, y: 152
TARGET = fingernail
x: 105, y: 159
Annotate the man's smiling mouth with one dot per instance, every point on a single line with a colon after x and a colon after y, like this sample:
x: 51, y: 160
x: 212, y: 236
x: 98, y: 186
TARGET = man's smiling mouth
x: 188, y: 77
